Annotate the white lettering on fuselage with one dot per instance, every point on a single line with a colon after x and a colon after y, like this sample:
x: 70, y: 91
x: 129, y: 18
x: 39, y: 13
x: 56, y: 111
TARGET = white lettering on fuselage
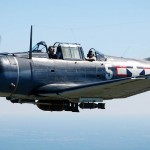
x: 109, y: 72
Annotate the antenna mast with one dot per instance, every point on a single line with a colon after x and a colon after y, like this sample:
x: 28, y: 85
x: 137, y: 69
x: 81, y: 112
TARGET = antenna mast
x: 30, y: 48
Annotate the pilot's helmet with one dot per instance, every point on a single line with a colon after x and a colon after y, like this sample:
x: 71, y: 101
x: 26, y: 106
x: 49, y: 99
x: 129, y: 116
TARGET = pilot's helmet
x: 91, y: 52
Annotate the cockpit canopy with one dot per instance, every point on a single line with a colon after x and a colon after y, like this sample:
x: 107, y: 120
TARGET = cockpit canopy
x: 40, y: 47
x: 70, y: 51
x: 66, y: 51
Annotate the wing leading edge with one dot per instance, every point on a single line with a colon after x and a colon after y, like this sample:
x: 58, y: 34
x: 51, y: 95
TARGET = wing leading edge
x: 110, y: 89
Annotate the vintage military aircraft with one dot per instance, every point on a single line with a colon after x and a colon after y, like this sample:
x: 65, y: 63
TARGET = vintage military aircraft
x: 72, y: 81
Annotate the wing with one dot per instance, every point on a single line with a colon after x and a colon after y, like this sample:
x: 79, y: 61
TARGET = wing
x: 110, y: 89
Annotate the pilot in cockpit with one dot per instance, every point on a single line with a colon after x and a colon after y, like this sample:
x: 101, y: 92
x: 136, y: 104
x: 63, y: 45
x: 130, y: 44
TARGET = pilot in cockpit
x: 51, y: 52
x: 91, y: 56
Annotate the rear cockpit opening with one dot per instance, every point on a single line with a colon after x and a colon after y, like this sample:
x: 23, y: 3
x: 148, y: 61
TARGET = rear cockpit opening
x: 94, y: 55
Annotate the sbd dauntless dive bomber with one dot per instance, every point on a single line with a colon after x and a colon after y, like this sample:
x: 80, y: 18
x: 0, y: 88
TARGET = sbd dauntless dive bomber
x: 59, y: 77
